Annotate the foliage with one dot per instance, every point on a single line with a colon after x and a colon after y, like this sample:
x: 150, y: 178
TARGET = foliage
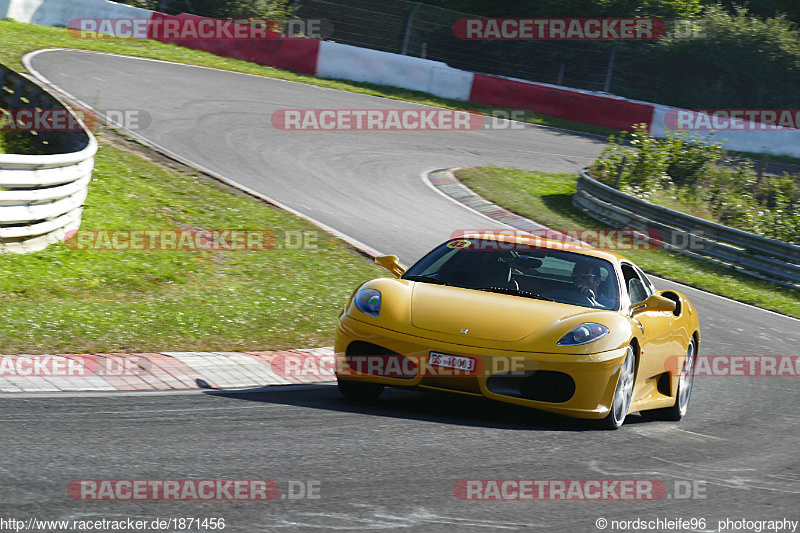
x: 278, y: 9
x: 19, y: 142
x: 683, y: 9
x: 654, y: 163
x: 575, y: 8
x: 695, y: 177
x: 738, y: 61
x: 734, y: 57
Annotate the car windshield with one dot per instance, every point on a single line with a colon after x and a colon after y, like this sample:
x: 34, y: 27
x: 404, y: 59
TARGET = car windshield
x: 539, y: 273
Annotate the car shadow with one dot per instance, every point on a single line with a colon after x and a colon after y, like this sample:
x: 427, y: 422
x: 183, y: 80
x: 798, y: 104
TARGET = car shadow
x: 413, y: 404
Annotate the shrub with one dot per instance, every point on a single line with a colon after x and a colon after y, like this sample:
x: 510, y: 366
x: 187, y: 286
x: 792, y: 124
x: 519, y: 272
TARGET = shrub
x: 697, y: 175
x: 651, y: 163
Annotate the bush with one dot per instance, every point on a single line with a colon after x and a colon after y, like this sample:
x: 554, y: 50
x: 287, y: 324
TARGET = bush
x: 700, y: 178
x: 742, y: 62
x: 21, y: 142
x: 649, y: 163
x: 277, y: 9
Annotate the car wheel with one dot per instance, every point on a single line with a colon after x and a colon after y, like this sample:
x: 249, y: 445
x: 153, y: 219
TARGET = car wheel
x: 623, y: 392
x: 360, y: 391
x: 678, y: 410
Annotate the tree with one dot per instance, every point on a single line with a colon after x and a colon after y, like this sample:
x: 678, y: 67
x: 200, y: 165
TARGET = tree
x: 576, y: 8
x: 278, y: 9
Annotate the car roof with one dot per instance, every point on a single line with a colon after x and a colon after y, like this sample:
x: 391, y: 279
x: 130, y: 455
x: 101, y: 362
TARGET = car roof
x: 568, y: 244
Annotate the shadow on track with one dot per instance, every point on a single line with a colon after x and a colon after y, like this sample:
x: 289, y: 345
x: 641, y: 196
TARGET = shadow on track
x: 429, y: 406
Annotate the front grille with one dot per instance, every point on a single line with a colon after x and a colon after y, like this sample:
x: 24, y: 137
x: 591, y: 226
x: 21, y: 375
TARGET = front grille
x: 540, y: 385
x: 375, y: 360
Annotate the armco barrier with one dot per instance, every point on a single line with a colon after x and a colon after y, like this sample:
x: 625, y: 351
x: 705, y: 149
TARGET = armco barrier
x: 292, y: 53
x: 60, y: 12
x: 41, y: 196
x: 755, y: 255
x: 345, y: 62
x: 568, y: 104
x: 778, y: 142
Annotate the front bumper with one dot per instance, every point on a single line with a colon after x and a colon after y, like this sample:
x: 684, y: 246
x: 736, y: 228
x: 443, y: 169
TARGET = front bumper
x: 574, y: 385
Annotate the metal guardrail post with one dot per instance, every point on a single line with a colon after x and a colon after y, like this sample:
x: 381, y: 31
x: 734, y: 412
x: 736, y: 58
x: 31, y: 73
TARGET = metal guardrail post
x: 409, y: 24
x: 610, y: 74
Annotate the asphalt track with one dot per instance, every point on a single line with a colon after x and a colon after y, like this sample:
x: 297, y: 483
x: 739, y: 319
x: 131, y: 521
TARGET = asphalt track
x: 392, y: 465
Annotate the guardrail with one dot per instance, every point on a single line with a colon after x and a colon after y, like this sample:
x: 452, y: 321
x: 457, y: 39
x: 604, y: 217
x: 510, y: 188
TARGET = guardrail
x: 41, y: 196
x: 752, y: 254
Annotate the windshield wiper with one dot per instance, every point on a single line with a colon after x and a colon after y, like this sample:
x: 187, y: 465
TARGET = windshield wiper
x: 426, y: 279
x: 516, y: 292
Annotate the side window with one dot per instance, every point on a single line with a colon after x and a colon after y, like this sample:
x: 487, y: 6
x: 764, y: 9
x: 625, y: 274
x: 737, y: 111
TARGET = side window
x: 638, y: 290
x: 651, y: 290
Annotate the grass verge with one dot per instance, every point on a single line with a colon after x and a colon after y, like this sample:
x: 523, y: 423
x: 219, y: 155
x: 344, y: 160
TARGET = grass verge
x: 18, y: 39
x: 62, y: 300
x: 547, y: 199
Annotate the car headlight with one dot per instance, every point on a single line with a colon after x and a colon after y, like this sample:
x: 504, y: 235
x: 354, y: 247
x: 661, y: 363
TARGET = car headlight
x: 583, y: 334
x: 368, y: 301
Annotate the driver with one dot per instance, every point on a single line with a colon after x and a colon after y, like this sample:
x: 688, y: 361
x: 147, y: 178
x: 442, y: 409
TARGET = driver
x: 586, y: 280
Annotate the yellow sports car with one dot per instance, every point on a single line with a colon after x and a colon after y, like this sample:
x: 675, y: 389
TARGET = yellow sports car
x: 552, y: 326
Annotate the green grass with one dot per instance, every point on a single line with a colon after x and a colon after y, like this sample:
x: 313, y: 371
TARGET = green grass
x: 63, y: 300
x: 18, y: 39
x: 547, y: 199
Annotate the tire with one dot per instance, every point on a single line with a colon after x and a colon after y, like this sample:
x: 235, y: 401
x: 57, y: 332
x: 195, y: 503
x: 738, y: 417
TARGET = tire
x: 360, y: 391
x: 681, y: 405
x: 622, y: 393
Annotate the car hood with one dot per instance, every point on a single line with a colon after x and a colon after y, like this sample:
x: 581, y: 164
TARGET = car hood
x: 484, y: 315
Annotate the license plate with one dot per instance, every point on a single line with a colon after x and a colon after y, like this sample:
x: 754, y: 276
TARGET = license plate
x: 456, y: 362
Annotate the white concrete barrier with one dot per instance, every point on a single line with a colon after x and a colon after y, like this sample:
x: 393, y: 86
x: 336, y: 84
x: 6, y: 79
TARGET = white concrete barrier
x: 60, y: 12
x: 750, y: 138
x: 341, y: 61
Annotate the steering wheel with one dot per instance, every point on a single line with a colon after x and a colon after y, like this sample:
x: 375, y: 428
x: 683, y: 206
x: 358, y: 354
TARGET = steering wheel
x: 570, y: 296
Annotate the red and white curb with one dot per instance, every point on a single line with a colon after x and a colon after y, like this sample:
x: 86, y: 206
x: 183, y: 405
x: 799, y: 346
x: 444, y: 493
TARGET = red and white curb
x: 447, y: 184
x: 157, y: 371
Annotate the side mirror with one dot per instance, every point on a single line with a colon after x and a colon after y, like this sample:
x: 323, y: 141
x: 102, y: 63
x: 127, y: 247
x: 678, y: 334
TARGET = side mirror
x: 391, y: 263
x: 653, y: 303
